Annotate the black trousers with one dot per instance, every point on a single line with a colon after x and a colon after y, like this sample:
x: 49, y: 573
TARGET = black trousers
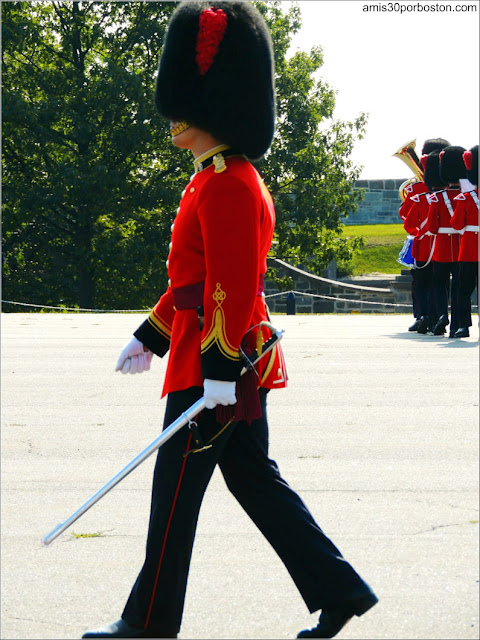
x: 323, y: 577
x: 415, y: 309
x: 441, y: 289
x: 467, y: 281
x: 422, y: 276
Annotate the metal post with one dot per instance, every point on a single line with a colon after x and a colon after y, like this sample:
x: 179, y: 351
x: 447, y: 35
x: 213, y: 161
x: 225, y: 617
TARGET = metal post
x: 291, y: 304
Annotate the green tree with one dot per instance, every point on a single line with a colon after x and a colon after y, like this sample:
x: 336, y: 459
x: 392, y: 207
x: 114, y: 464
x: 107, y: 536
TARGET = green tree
x: 90, y: 180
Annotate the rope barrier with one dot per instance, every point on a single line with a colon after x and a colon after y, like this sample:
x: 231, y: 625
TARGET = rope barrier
x: 44, y: 306
x: 318, y: 295
x: 271, y: 295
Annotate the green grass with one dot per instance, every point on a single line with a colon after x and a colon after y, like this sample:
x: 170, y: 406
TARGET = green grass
x: 382, y: 246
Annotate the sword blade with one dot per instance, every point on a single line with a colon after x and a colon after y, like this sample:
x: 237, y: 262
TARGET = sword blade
x: 186, y: 417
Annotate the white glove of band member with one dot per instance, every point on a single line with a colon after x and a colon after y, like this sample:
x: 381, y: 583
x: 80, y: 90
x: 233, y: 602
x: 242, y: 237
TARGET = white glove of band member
x: 218, y: 392
x: 133, y: 358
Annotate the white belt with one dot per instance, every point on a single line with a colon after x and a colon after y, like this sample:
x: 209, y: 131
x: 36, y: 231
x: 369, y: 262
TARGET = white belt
x: 424, y: 235
x: 471, y: 227
x: 449, y: 230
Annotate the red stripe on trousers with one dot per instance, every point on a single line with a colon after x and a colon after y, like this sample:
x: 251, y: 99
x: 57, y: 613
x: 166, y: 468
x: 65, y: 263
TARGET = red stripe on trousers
x: 166, y: 534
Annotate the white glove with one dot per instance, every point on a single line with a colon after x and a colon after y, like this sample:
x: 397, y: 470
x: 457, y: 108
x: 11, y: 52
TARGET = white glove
x: 218, y: 392
x: 133, y: 358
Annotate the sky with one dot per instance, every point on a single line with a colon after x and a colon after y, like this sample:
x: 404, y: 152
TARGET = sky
x: 415, y: 72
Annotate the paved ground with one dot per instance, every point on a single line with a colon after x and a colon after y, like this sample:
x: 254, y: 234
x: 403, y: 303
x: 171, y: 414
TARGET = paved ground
x: 378, y: 431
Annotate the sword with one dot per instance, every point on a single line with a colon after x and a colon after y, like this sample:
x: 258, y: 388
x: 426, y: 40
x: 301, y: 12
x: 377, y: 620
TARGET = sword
x: 187, y: 417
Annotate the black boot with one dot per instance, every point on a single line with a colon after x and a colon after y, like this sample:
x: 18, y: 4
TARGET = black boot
x: 333, y: 619
x: 442, y: 323
x: 463, y: 332
x: 121, y: 629
x: 423, y: 324
x: 414, y: 326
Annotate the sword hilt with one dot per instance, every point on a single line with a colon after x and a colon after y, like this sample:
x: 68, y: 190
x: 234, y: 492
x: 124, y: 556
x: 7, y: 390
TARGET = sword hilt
x: 251, y: 361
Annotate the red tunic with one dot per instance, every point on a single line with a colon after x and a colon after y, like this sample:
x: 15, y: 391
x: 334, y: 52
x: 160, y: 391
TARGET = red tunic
x: 415, y: 225
x: 220, y: 241
x: 465, y: 218
x: 447, y: 239
x: 410, y: 191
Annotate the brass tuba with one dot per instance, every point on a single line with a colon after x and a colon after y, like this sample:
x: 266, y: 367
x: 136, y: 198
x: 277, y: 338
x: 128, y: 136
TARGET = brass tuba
x: 408, y: 155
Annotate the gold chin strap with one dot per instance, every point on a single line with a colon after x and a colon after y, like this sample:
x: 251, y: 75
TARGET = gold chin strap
x: 181, y: 126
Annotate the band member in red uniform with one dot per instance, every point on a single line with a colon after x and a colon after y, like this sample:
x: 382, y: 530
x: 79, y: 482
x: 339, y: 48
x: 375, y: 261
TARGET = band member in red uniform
x: 447, y: 240
x: 423, y: 242
x: 465, y: 219
x: 215, y: 84
x: 415, y: 188
x: 410, y: 192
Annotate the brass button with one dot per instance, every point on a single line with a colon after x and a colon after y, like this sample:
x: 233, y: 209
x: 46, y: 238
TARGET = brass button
x: 170, y: 245
x: 192, y: 189
x: 167, y: 263
x: 171, y: 228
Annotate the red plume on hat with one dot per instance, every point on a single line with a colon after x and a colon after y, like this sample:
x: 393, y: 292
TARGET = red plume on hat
x: 470, y: 160
x: 212, y: 26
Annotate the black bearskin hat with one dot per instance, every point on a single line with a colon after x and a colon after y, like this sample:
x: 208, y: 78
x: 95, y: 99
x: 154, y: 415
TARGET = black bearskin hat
x: 434, y: 144
x: 470, y: 159
x: 216, y: 72
x: 431, y: 167
x: 451, y: 164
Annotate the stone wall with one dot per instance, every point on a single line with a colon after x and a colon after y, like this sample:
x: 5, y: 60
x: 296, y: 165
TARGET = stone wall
x: 351, y: 293
x: 380, y: 205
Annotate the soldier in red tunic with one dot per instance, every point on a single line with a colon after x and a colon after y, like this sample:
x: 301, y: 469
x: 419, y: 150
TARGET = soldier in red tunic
x: 465, y: 220
x: 215, y: 84
x: 411, y: 193
x: 447, y: 240
x: 423, y: 243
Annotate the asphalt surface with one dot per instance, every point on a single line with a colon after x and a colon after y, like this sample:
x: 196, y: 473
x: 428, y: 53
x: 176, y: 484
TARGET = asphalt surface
x: 377, y: 431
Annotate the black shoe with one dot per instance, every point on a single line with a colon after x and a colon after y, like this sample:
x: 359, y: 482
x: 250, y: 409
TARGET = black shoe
x: 121, y: 629
x: 423, y: 325
x: 463, y: 332
x: 414, y: 326
x: 332, y: 620
x: 442, y: 322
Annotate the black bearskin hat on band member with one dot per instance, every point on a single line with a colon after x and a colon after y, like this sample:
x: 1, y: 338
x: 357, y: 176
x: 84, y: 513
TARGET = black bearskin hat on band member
x: 431, y: 168
x: 451, y: 164
x: 470, y: 159
x: 216, y: 72
x: 434, y: 144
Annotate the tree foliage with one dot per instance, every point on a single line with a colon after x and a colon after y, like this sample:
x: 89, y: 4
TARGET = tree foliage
x: 90, y: 178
